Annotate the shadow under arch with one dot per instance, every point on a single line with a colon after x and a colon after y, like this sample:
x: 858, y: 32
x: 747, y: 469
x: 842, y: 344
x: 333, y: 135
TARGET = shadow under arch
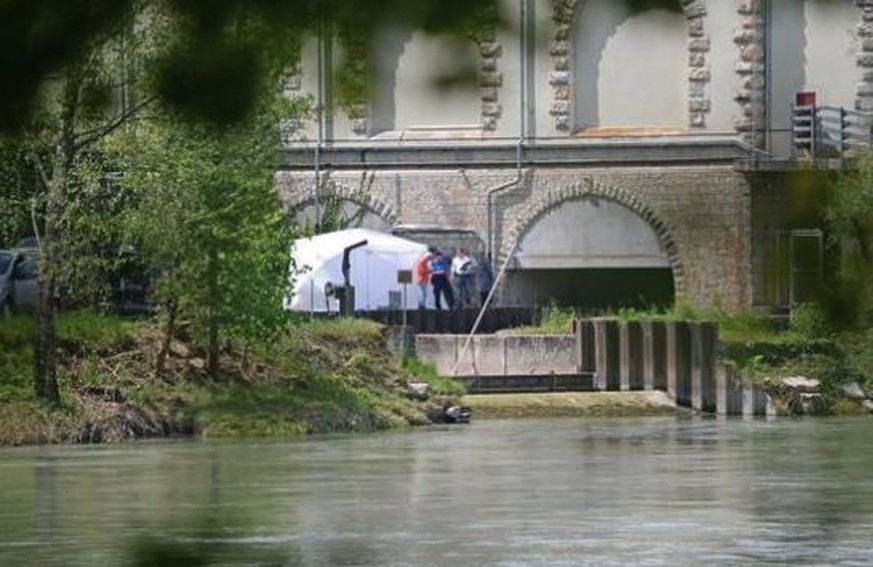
x: 536, y: 211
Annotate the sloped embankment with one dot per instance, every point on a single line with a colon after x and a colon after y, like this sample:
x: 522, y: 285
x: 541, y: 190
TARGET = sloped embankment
x: 316, y: 377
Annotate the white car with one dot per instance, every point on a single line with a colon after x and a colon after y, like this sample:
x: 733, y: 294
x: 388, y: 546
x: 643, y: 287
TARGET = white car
x: 17, y: 280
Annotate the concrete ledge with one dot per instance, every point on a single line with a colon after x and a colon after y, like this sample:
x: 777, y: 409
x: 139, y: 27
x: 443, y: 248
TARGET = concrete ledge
x: 572, y: 404
x: 528, y: 383
x: 393, y: 154
x: 497, y: 355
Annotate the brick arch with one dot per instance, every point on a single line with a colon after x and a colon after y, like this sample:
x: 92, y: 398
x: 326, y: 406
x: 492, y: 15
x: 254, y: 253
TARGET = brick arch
x: 537, y: 210
x: 562, y: 79
x: 348, y: 193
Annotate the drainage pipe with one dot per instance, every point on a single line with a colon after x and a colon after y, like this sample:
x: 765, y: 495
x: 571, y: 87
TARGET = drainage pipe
x: 320, y: 134
x: 522, y: 126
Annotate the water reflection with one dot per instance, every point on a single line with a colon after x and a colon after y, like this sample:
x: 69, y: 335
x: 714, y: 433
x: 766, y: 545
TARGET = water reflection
x: 657, y: 491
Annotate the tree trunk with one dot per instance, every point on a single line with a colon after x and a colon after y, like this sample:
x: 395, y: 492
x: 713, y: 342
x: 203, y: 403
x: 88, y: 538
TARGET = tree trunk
x: 212, y: 277
x: 169, y: 331
x: 45, y: 367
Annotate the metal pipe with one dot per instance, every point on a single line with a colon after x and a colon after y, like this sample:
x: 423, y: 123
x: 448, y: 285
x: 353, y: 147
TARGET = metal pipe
x: 522, y: 126
x: 320, y: 133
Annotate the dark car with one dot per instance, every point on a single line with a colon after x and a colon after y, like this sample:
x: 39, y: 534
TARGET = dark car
x: 18, y: 270
x: 133, y: 284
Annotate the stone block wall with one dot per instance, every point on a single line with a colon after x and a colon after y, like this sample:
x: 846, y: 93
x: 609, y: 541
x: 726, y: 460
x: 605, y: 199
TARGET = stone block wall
x: 702, y: 212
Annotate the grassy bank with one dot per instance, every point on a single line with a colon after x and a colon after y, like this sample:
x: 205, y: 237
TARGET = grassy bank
x: 316, y: 377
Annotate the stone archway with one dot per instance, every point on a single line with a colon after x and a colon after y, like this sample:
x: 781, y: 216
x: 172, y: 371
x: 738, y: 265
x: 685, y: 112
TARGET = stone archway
x: 364, y: 199
x: 561, y: 48
x: 536, y: 211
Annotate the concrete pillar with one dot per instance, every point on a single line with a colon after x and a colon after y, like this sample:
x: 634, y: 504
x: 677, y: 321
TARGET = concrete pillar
x: 624, y: 356
x: 631, y: 355
x: 735, y: 393
x: 606, y: 354
x: 748, y: 393
x: 654, y: 355
x: 585, y: 357
x: 678, y: 362
x: 703, y: 339
x: 721, y: 389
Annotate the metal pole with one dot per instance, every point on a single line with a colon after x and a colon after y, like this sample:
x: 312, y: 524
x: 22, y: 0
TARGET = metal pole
x: 483, y: 308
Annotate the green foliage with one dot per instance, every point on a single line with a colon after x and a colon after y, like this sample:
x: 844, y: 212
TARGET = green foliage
x: 555, y: 321
x: 94, y: 330
x: 208, y: 219
x: 808, y: 322
x: 16, y: 192
x: 425, y: 372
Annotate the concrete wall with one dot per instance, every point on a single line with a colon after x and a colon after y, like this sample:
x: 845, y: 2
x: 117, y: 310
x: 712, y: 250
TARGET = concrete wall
x: 600, y: 65
x: 678, y: 357
x: 722, y: 21
x: 493, y: 355
x: 812, y: 47
x: 614, y: 84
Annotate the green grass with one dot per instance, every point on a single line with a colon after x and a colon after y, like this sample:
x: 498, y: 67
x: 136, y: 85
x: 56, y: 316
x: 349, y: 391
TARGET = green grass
x: 555, y: 321
x: 425, y: 372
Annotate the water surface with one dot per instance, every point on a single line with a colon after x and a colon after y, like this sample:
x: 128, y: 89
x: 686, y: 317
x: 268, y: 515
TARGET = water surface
x: 660, y: 491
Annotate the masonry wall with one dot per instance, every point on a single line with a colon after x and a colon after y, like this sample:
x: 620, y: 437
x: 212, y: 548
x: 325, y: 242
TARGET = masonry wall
x: 704, y: 211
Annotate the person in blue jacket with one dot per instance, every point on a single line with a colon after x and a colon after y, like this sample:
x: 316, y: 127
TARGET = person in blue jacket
x: 439, y: 279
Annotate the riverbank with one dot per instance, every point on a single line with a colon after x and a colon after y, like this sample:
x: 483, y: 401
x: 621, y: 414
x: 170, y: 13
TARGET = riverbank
x: 316, y: 377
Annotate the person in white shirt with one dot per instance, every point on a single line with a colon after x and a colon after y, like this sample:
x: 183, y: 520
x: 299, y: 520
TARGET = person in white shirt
x: 463, y: 269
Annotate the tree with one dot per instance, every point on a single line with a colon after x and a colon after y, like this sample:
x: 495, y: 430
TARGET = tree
x: 210, y: 222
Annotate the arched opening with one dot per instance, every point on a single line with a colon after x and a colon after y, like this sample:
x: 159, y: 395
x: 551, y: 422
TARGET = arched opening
x: 417, y: 87
x: 338, y: 213
x: 629, y: 68
x: 591, y: 253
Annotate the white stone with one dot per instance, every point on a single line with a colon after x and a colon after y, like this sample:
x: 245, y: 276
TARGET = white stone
x: 801, y: 384
x: 853, y: 390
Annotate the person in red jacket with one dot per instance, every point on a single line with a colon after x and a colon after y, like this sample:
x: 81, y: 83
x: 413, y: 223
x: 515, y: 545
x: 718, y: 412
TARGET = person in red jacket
x: 421, y: 276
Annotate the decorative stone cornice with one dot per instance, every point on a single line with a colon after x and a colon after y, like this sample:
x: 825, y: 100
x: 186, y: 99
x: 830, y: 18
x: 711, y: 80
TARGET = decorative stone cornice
x: 864, y: 59
x: 749, y: 93
x: 490, y: 79
x: 698, y: 67
x: 587, y: 188
x: 561, y: 50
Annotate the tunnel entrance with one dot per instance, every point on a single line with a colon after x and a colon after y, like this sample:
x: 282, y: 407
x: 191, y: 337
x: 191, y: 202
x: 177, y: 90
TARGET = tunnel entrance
x: 597, y: 289
x: 593, y: 254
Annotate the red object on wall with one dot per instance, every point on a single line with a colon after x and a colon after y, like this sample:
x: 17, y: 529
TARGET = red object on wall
x: 804, y: 98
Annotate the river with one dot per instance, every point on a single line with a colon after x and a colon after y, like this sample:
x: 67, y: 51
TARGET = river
x: 659, y: 491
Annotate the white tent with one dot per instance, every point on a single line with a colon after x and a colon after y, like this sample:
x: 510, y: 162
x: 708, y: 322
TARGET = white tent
x: 373, y: 270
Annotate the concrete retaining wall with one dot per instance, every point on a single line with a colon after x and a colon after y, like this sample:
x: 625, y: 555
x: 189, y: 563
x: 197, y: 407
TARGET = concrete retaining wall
x: 495, y: 355
x: 678, y: 357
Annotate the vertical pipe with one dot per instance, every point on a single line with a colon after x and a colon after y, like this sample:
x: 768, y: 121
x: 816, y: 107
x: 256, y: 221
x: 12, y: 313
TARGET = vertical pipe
x: 320, y: 134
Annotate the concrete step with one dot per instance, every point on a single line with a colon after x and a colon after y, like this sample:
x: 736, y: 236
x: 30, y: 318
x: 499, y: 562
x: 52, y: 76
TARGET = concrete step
x: 517, y: 383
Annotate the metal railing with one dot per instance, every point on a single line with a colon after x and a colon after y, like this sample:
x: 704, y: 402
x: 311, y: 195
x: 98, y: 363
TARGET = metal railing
x: 829, y: 132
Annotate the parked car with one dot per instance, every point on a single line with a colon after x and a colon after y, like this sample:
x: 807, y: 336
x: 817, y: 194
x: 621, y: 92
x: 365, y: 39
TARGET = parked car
x: 18, y: 269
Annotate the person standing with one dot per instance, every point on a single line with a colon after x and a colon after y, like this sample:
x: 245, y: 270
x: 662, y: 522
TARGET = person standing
x: 439, y: 279
x: 484, y: 278
x: 462, y: 271
x: 421, y: 276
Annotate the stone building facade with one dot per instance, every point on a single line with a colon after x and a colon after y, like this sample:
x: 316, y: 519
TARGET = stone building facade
x: 600, y: 144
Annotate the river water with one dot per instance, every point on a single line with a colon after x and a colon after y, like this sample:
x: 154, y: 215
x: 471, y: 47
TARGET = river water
x: 660, y: 491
